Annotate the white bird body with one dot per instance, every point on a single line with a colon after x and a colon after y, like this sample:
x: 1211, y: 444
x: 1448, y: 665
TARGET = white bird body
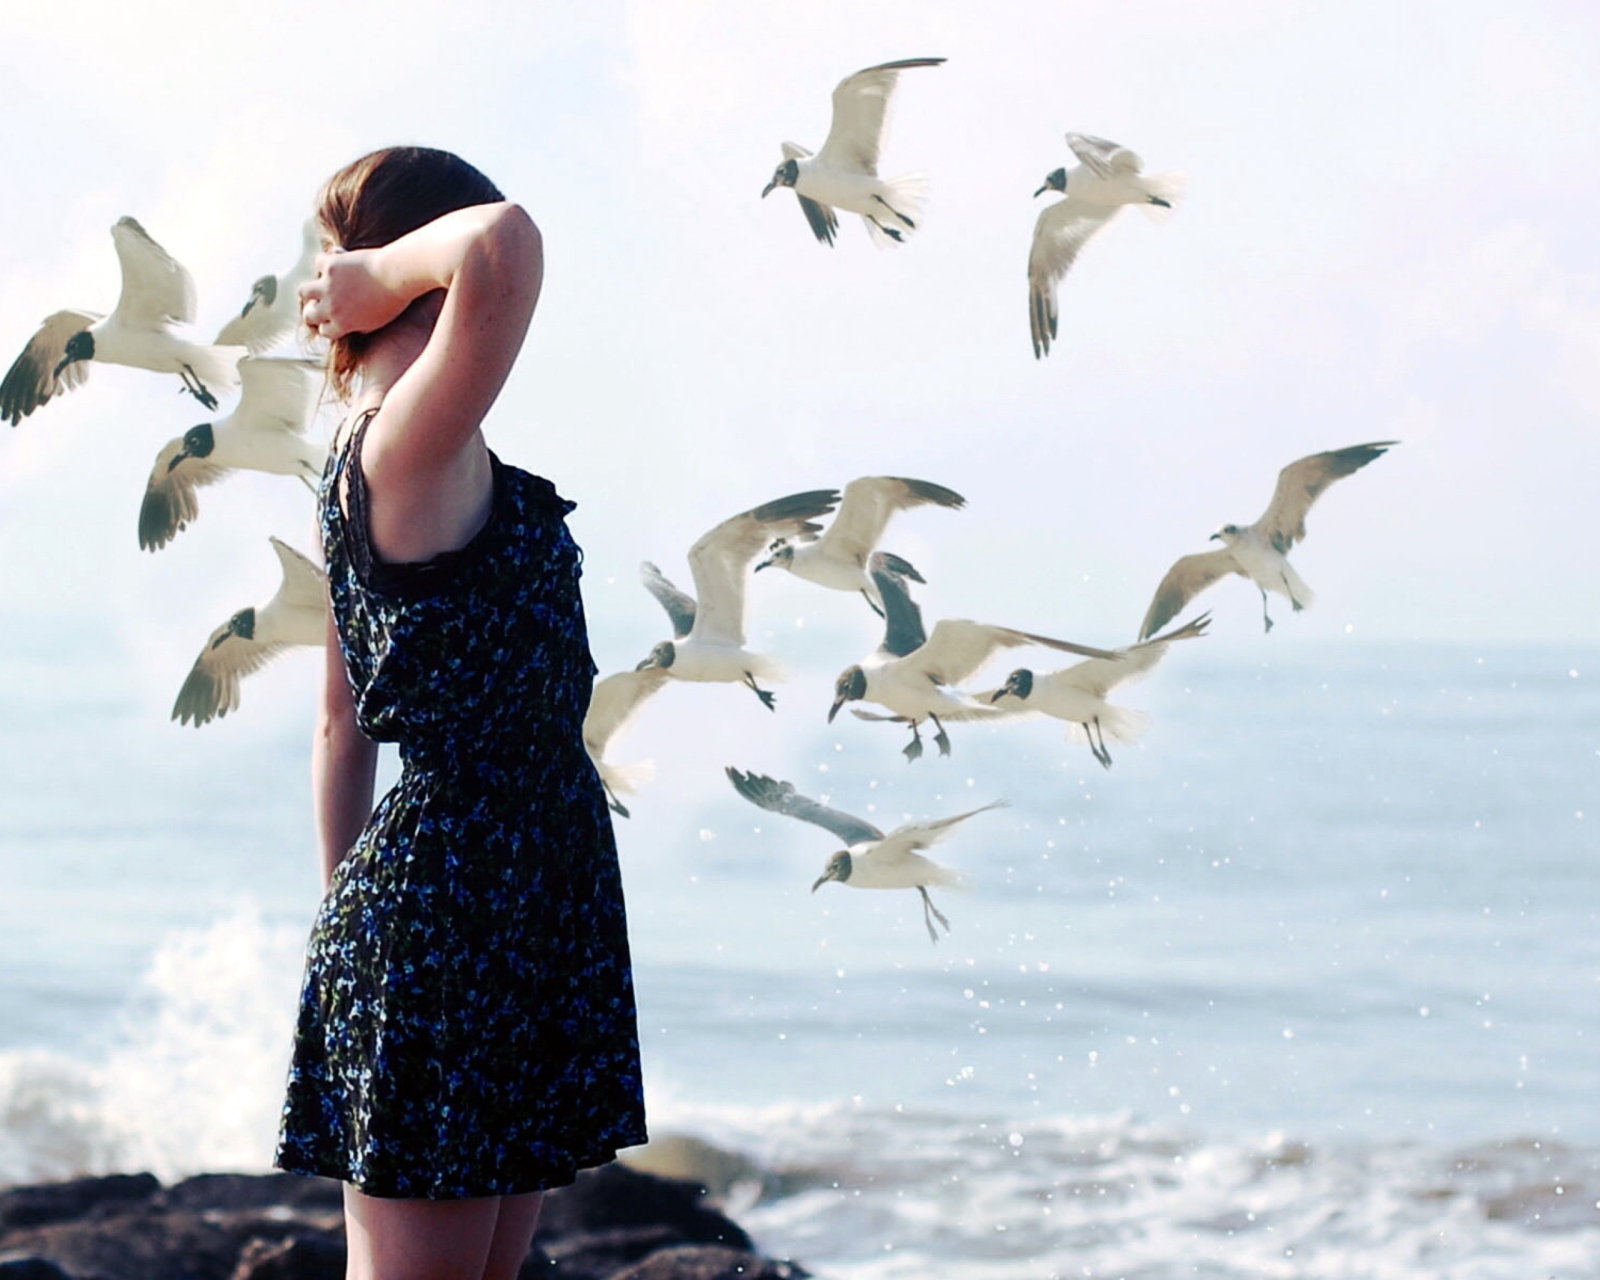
x: 1108, y: 178
x: 272, y: 311
x: 615, y: 704
x: 157, y: 293
x: 297, y: 614
x: 1260, y: 551
x: 844, y: 174
x: 265, y: 432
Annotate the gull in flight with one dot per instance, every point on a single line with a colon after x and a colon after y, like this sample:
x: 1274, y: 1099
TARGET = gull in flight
x: 157, y: 293
x: 1106, y: 178
x: 871, y: 859
x: 709, y: 627
x: 1260, y: 551
x: 614, y: 706
x: 265, y: 432
x: 915, y: 675
x: 296, y: 615
x: 839, y: 558
x: 1078, y: 694
x: 272, y: 310
x: 844, y: 174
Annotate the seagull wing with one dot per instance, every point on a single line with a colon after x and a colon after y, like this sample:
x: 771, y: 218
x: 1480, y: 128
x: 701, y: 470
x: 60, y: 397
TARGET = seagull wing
x: 1300, y: 483
x: 278, y: 395
x: 678, y: 604
x: 32, y: 378
x: 1188, y: 577
x: 860, y: 115
x: 169, y: 495
x: 721, y: 560
x: 1103, y: 158
x: 781, y: 797
x: 1062, y: 230
x: 903, y: 631
x: 273, y: 307
x: 958, y: 649
x: 156, y: 288
x: 902, y: 844
x: 304, y: 585
x: 867, y: 506
x: 212, y: 686
x: 1099, y: 677
x: 823, y: 221
x: 616, y: 703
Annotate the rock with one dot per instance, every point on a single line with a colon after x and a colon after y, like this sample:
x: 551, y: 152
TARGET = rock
x: 594, y: 1255
x: 67, y: 1201
x: 251, y: 1191
x: 614, y: 1196
x: 30, y: 1269
x: 297, y: 1258
x: 709, y: 1262
x: 680, y: 1155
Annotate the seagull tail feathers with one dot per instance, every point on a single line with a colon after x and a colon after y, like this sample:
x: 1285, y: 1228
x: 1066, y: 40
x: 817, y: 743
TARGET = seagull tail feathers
x: 1117, y: 724
x: 1164, y: 186
x: 900, y: 215
x: 626, y: 779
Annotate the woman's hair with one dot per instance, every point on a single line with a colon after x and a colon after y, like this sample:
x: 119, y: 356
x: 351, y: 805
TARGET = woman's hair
x: 381, y: 197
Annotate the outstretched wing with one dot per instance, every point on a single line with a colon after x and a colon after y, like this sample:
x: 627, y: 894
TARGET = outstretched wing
x: 721, y: 559
x: 824, y: 223
x: 1188, y: 577
x: 1300, y: 483
x: 32, y: 378
x: 1103, y: 158
x: 860, y: 115
x: 867, y: 506
x: 616, y: 703
x: 278, y: 394
x: 1099, y: 677
x: 903, y: 632
x: 781, y: 797
x: 678, y: 604
x: 1061, y: 231
x: 157, y: 290
x: 904, y: 841
x: 304, y: 585
x: 958, y: 649
x: 170, y: 501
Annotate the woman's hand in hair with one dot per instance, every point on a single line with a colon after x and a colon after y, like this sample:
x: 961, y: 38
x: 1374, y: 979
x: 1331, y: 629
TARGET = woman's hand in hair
x: 350, y: 294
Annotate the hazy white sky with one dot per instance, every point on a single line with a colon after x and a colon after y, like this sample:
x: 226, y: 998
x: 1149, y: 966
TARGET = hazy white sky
x: 1388, y: 233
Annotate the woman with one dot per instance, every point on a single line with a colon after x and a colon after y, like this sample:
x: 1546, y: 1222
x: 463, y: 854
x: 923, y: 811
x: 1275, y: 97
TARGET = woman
x: 466, y: 1035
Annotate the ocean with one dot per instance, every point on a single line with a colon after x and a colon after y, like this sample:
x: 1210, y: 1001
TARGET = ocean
x: 1305, y: 985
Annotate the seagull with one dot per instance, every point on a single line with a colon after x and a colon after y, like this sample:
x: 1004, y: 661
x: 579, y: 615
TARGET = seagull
x: 157, y: 292
x: 1106, y: 178
x: 273, y: 308
x: 914, y: 674
x: 1260, y: 551
x: 839, y: 558
x: 872, y: 860
x: 844, y: 174
x: 1078, y: 694
x: 615, y: 704
x: 265, y: 432
x: 296, y: 615
x: 708, y: 636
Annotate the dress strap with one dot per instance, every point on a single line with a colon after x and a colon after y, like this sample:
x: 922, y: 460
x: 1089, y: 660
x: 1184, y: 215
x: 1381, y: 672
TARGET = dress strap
x: 356, y: 528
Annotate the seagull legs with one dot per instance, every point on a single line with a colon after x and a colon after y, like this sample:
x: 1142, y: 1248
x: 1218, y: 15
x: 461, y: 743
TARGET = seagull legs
x: 942, y: 738
x: 616, y: 806
x: 1097, y: 749
x: 768, y: 700
x: 1265, y: 616
x: 892, y: 232
x: 196, y: 388
x: 896, y: 213
x: 913, y: 749
x: 930, y: 913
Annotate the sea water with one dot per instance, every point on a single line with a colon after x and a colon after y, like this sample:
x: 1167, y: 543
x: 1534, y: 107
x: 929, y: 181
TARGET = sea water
x: 1304, y: 985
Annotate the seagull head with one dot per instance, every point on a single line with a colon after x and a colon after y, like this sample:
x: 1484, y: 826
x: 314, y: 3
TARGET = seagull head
x: 850, y: 687
x: 198, y: 442
x: 242, y: 624
x: 785, y: 175
x: 80, y: 346
x: 1056, y: 181
x: 1019, y: 684
x: 782, y: 555
x: 1229, y: 534
x: 838, y: 868
x: 661, y: 657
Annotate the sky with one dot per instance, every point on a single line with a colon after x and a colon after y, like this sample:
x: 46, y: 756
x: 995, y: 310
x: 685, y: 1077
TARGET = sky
x: 1387, y: 234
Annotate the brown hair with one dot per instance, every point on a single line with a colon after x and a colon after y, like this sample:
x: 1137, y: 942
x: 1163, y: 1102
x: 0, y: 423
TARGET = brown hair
x: 381, y: 197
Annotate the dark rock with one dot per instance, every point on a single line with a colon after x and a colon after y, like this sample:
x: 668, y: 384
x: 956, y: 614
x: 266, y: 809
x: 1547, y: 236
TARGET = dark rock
x: 251, y: 1191
x: 67, y: 1201
x: 615, y: 1196
x: 296, y: 1258
x: 30, y: 1269
x: 594, y: 1255
x: 539, y: 1265
x: 709, y: 1262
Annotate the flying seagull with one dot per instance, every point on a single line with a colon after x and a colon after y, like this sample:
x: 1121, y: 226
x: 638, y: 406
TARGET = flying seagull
x: 272, y: 310
x: 1260, y: 551
x: 838, y: 559
x: 871, y: 859
x: 265, y: 432
x: 709, y: 627
x: 1106, y: 178
x: 915, y: 675
x: 157, y: 293
x: 615, y: 705
x: 1078, y: 694
x: 246, y: 642
x: 844, y: 174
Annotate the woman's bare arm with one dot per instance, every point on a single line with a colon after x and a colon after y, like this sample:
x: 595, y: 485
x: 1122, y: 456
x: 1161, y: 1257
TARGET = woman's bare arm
x: 343, y: 765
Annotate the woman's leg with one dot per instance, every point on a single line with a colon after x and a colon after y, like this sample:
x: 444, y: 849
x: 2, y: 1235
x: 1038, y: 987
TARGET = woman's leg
x: 418, y: 1239
x: 513, y: 1235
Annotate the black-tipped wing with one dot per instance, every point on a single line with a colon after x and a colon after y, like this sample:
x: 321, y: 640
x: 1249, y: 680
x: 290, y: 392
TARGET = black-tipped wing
x: 1099, y: 676
x: 1060, y: 232
x: 1300, y: 483
x: 32, y: 378
x: 170, y: 501
x: 212, y: 686
x: 868, y: 505
x: 861, y: 115
x: 1188, y: 577
x: 678, y: 604
x: 157, y: 289
x: 781, y: 797
x: 824, y: 225
x: 959, y: 648
x: 903, y: 632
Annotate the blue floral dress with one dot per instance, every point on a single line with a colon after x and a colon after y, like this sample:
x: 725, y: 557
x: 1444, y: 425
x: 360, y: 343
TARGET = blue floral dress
x: 466, y: 1025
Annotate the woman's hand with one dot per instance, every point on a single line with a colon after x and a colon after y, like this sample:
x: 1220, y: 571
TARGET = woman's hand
x: 350, y: 294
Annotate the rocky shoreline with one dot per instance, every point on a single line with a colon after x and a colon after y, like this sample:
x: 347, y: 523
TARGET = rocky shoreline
x: 614, y: 1223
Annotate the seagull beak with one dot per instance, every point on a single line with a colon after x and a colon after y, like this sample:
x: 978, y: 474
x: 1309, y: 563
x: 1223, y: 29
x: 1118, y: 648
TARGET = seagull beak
x: 176, y: 459
x: 833, y: 711
x: 1041, y: 191
x: 1165, y: 204
x: 765, y: 564
x: 998, y: 694
x: 822, y: 880
x: 1216, y: 537
x: 767, y: 190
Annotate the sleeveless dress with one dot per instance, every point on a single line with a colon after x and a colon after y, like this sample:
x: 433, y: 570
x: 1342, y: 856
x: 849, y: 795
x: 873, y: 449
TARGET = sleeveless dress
x: 466, y: 1024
